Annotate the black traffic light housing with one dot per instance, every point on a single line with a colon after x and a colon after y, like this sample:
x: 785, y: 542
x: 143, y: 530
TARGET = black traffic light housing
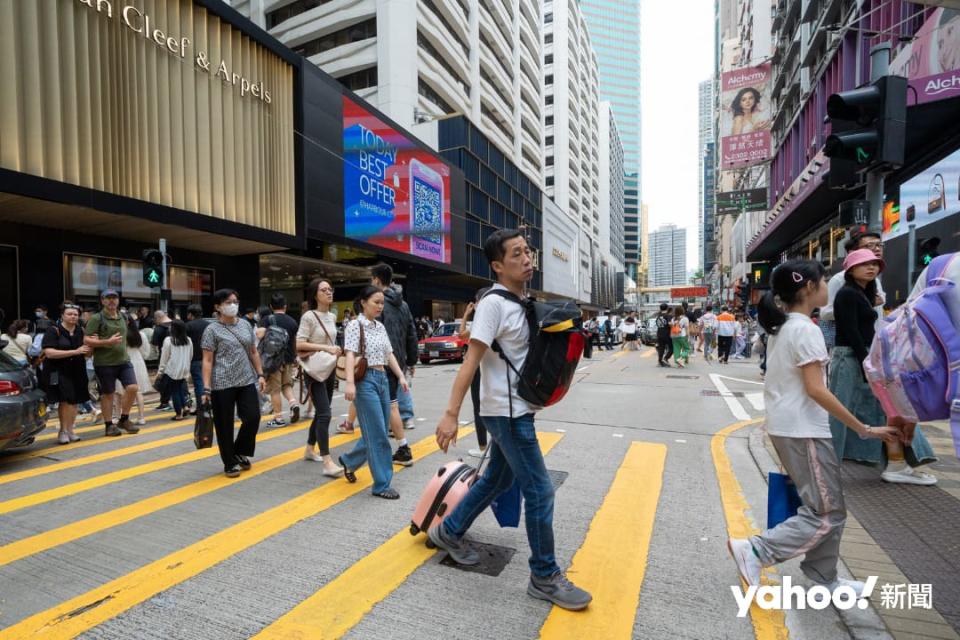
x: 869, y: 127
x: 761, y: 275
x: 153, y: 268
x: 927, y: 250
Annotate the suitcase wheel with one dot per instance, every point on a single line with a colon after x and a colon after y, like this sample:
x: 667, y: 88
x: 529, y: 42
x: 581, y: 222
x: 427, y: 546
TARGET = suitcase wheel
x: 414, y: 529
x: 430, y: 544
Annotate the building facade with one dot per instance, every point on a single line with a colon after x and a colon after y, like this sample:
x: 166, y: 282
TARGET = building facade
x: 705, y: 150
x: 561, y: 253
x: 571, y: 116
x: 614, y: 27
x: 611, y: 186
x: 417, y: 60
x: 668, y: 257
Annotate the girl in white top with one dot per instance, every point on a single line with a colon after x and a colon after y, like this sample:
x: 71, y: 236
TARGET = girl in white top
x: 371, y: 395
x: 175, y: 356
x: 138, y: 348
x: 798, y: 403
x: 318, y: 332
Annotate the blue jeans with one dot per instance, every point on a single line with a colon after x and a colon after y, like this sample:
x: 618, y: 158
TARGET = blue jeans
x: 514, y: 453
x: 178, y: 395
x: 196, y: 372
x: 373, y: 411
x: 405, y: 400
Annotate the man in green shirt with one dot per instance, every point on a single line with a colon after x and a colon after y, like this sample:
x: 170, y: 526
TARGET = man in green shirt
x: 106, y: 334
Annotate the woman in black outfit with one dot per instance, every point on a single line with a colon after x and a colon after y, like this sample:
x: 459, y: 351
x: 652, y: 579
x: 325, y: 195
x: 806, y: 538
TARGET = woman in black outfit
x: 855, y: 323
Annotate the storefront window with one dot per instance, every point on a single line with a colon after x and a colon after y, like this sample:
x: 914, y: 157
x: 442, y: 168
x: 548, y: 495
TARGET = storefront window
x: 86, y: 276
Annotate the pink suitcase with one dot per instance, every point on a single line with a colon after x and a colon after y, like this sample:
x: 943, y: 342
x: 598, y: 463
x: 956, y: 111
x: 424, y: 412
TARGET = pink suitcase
x: 443, y: 493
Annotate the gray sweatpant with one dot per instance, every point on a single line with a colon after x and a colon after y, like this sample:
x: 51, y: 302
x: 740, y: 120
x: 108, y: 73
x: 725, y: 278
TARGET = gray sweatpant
x: 816, y: 529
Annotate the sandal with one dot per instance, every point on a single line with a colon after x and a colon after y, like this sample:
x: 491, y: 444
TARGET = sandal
x: 347, y: 473
x: 388, y: 494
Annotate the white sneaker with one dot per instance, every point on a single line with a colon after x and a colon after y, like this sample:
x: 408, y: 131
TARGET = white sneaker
x: 748, y: 564
x: 311, y: 455
x: 476, y: 453
x: 410, y: 424
x: 857, y: 586
x: 909, y: 475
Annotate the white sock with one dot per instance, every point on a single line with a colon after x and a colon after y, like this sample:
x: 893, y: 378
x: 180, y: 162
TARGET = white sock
x: 403, y: 443
x: 896, y: 467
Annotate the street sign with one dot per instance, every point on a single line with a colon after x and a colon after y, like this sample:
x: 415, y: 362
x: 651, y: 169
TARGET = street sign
x: 689, y: 292
x: 739, y: 201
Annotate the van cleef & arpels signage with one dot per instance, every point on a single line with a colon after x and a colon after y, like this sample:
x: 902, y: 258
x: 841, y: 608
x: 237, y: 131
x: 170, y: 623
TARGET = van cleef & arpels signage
x: 141, y: 22
x: 162, y: 101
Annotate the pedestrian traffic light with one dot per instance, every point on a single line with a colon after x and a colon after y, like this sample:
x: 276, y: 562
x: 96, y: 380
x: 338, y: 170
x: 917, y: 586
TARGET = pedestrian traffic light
x: 868, y: 124
x: 152, y: 268
x: 927, y: 250
x: 761, y: 275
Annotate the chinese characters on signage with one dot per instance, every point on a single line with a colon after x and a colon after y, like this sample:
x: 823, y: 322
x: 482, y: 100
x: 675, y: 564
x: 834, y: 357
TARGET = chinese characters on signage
x: 745, y: 116
x: 741, y: 201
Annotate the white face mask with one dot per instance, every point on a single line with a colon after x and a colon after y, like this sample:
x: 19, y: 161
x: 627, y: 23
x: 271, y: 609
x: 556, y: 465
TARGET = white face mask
x: 230, y: 310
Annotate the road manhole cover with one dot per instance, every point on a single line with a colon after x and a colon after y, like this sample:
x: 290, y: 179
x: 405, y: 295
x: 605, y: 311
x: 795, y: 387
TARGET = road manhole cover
x: 713, y: 393
x: 676, y: 377
x: 493, y: 559
x: 557, y: 477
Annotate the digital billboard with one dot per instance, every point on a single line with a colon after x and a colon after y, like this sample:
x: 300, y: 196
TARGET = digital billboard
x: 930, y: 196
x: 396, y: 195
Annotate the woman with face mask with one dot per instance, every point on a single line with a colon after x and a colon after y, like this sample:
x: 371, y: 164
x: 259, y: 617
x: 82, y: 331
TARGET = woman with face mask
x: 232, y: 378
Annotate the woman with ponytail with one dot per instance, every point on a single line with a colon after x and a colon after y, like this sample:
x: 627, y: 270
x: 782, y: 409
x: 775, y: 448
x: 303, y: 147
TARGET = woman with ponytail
x: 798, y: 405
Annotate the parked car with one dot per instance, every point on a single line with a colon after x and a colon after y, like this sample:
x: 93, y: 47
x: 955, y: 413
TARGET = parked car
x: 444, y: 344
x: 23, y: 408
x: 648, y: 332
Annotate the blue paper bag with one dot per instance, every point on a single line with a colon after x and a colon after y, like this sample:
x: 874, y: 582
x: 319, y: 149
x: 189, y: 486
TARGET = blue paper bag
x: 506, y: 506
x: 782, y: 499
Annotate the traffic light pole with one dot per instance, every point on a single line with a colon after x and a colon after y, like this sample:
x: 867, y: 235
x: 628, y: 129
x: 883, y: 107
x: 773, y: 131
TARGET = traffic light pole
x: 911, y: 255
x: 879, y: 67
x: 163, y: 277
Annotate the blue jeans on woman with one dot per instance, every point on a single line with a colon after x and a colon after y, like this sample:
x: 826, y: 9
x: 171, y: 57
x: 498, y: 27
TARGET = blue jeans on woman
x: 514, y: 454
x: 373, y: 412
x: 178, y: 395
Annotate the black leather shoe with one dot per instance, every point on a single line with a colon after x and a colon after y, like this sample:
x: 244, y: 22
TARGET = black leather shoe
x: 244, y: 462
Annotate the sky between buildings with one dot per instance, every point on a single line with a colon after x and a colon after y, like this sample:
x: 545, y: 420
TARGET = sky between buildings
x: 676, y: 55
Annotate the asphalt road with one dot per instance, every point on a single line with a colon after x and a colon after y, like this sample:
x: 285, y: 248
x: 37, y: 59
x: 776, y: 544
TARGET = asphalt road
x: 142, y: 537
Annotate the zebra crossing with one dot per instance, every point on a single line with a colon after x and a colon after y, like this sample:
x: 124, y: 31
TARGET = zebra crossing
x: 60, y: 501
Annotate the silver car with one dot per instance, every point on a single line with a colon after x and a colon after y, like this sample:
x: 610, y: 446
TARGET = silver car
x: 23, y: 408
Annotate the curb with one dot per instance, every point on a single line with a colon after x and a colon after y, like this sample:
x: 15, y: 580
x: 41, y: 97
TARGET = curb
x: 862, y: 624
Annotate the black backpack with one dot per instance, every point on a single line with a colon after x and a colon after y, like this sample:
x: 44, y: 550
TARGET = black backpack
x: 273, y: 346
x: 663, y: 326
x: 556, y: 344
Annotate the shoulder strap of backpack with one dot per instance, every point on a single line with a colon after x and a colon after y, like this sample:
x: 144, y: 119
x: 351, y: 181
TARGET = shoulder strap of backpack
x: 938, y: 268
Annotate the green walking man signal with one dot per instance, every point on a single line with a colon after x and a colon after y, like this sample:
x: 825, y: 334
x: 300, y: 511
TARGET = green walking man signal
x: 152, y: 268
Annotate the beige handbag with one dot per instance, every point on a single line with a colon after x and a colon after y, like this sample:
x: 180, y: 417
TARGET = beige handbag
x: 319, y: 365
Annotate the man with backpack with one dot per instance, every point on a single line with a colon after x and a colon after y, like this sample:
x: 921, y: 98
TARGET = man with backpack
x: 106, y: 333
x: 664, y: 341
x: 501, y: 333
x: 708, y: 329
x: 278, y: 353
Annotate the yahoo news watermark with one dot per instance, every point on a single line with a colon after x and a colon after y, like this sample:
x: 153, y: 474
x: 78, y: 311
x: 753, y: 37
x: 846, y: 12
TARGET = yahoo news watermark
x: 787, y: 596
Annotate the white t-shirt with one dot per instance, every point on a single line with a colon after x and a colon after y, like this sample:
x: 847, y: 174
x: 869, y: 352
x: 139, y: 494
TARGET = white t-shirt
x: 504, y: 321
x: 629, y: 328
x: 791, y: 413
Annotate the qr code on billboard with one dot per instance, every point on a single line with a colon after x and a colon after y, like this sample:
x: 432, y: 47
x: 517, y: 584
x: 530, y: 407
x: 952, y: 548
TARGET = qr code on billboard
x: 427, y: 212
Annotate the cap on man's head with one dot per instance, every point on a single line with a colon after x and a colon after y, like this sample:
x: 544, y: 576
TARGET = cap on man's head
x: 109, y: 293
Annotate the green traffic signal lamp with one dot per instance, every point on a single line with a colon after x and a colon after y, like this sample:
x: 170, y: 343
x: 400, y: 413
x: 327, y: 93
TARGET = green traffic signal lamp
x: 927, y: 250
x: 152, y: 268
x: 868, y: 124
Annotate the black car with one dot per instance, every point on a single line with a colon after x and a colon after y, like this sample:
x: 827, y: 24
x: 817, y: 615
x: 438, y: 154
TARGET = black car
x: 648, y: 332
x: 23, y: 408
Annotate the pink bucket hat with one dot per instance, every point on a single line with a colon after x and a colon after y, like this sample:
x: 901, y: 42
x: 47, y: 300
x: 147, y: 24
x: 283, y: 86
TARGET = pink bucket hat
x: 861, y: 256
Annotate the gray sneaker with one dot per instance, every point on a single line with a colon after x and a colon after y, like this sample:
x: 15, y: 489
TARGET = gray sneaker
x: 560, y: 591
x: 460, y: 554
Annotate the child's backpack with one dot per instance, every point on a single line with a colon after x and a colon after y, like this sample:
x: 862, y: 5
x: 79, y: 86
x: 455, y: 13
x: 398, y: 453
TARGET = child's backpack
x: 273, y: 346
x: 914, y: 362
x: 556, y: 344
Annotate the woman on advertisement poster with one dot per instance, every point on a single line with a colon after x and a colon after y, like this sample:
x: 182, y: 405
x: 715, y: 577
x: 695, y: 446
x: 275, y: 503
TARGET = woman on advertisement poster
x: 747, y: 112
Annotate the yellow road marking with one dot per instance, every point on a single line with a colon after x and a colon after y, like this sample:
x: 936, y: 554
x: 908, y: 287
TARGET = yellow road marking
x: 93, y: 428
x: 343, y: 602
x: 75, y: 530
x: 612, y: 561
x: 77, y: 615
x: 83, y: 444
x: 73, y: 488
x: 647, y: 353
x: 767, y: 624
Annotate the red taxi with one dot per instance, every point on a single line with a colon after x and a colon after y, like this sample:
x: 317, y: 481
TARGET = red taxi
x: 444, y: 344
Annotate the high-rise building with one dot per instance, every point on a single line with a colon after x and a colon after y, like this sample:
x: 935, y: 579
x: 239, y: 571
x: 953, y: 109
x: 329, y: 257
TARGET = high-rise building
x: 571, y: 114
x: 614, y: 27
x: 611, y: 185
x: 705, y: 151
x: 668, y: 256
x: 417, y: 60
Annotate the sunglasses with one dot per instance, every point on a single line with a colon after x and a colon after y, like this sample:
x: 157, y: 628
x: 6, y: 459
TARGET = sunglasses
x: 70, y: 306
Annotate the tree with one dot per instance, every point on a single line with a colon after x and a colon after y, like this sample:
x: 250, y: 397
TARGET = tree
x: 697, y: 277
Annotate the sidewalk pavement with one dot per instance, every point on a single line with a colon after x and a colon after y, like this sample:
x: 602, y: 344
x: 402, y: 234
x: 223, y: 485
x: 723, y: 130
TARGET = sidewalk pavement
x: 901, y: 534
